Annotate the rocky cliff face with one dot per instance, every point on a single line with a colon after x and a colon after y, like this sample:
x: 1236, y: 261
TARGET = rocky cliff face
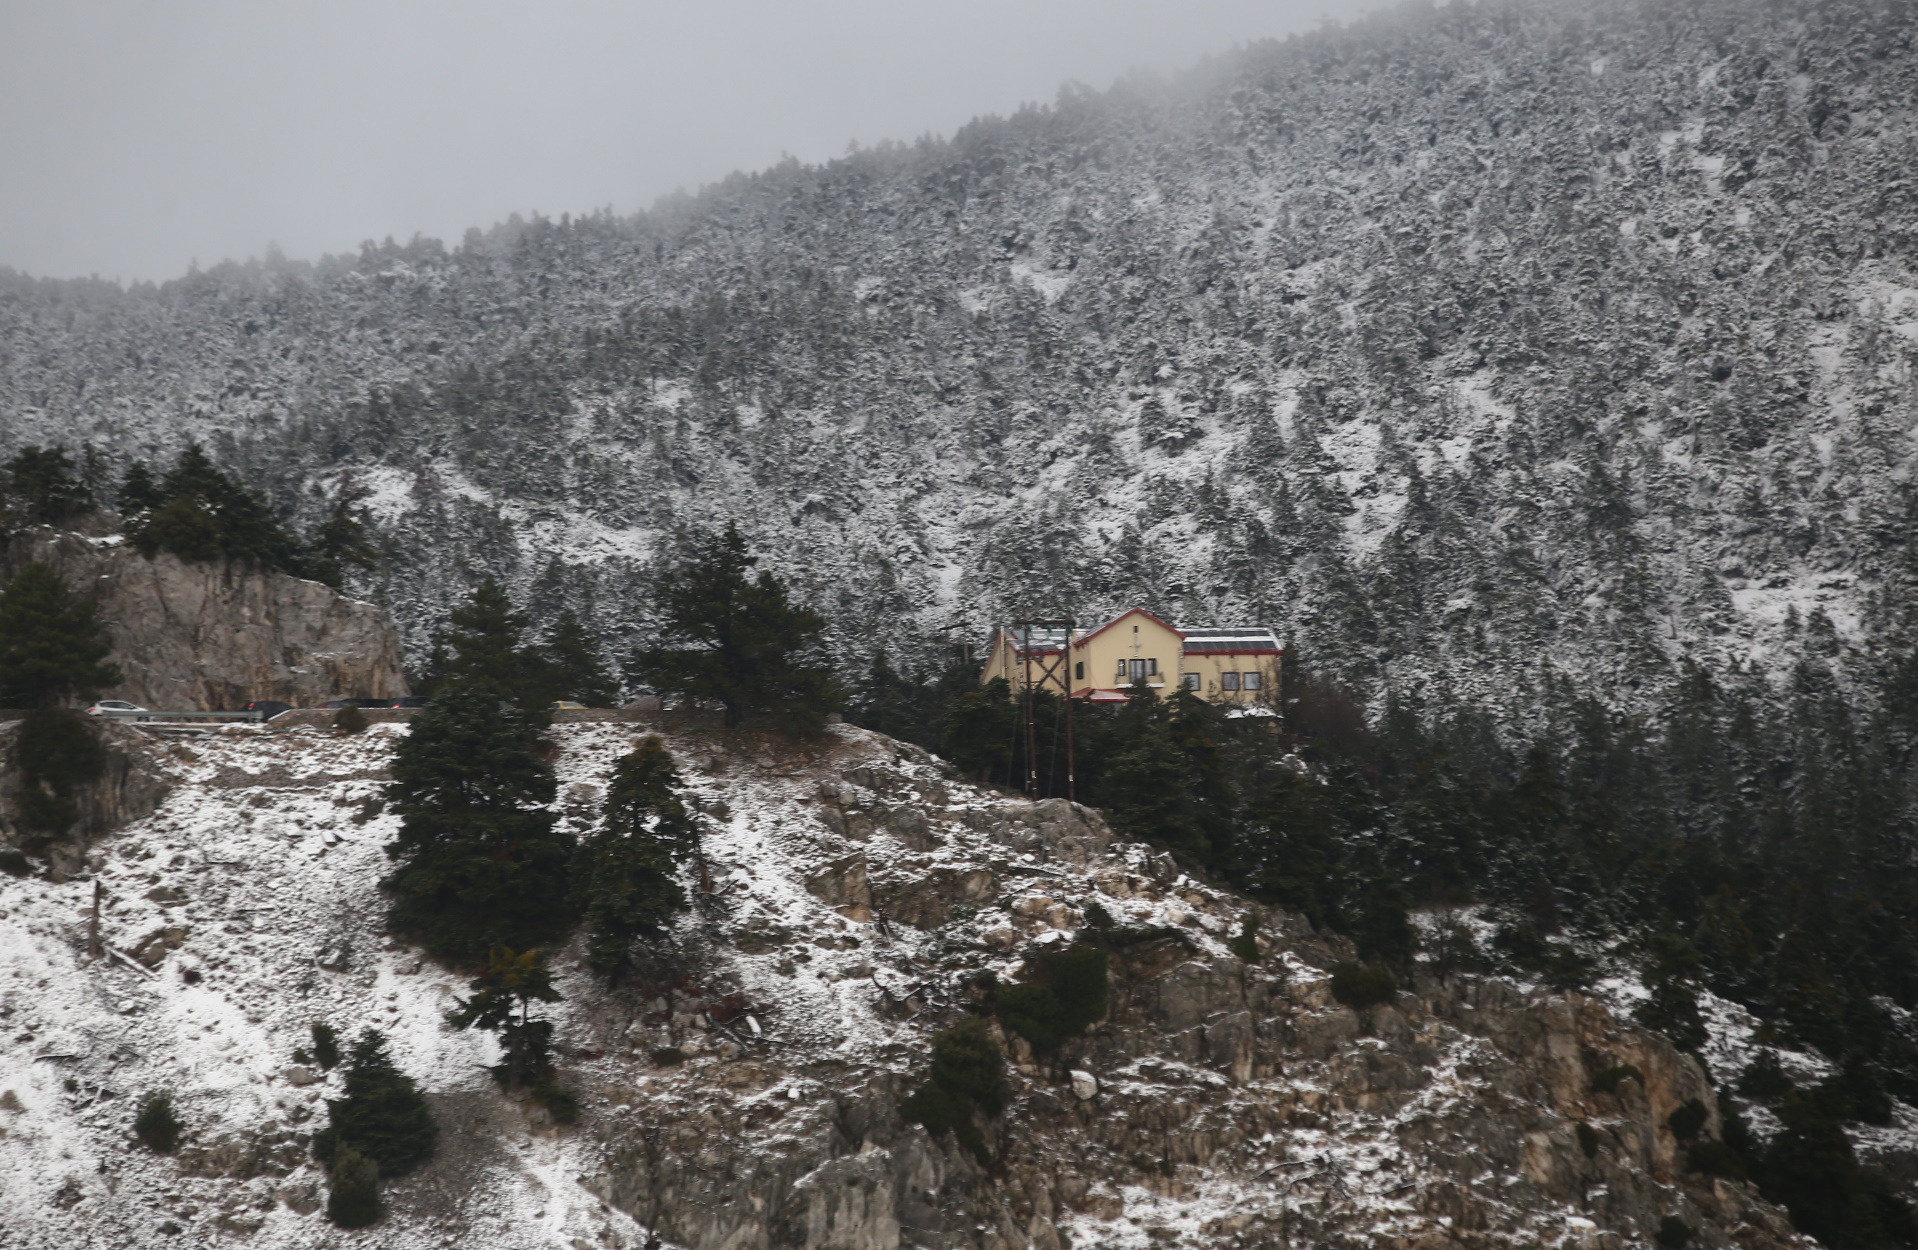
x: 749, y: 1099
x: 215, y: 636
x: 132, y: 783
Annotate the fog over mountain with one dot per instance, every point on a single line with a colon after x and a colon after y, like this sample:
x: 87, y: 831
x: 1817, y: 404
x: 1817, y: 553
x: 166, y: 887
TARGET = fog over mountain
x: 137, y: 137
x: 1470, y: 347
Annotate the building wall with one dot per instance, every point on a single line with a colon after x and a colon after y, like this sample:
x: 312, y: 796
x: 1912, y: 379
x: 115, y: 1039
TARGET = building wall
x: 1134, y: 636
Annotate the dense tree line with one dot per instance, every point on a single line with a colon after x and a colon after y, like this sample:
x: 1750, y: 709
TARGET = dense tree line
x: 194, y: 510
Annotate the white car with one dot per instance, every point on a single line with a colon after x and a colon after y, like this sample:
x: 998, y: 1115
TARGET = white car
x: 114, y: 707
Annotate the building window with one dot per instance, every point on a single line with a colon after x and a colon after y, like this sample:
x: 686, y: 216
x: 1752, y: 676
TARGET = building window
x: 1079, y: 671
x: 1122, y: 669
x: 1249, y: 681
x: 1151, y: 668
x: 1228, y: 681
x: 1190, y: 681
x: 1138, y: 670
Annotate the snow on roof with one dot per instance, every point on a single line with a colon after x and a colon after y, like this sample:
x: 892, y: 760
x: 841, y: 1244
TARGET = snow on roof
x: 1034, y: 641
x: 1244, y: 640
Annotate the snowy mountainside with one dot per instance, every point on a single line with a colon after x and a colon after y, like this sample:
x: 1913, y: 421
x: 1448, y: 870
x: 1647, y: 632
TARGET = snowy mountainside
x: 1469, y: 346
x: 858, y: 891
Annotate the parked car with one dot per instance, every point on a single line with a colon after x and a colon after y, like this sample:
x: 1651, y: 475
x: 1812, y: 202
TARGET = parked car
x: 410, y: 700
x: 268, y: 708
x: 114, y: 707
x: 567, y: 705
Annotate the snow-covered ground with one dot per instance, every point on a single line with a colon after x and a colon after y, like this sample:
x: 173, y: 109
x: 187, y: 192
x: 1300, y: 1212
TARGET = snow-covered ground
x: 262, y: 866
x: 253, y: 891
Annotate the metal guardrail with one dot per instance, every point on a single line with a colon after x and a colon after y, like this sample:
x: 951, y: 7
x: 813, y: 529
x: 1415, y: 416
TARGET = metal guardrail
x: 161, y: 717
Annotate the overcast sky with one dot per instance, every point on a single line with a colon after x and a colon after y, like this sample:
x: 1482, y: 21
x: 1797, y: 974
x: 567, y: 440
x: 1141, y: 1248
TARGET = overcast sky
x: 137, y: 136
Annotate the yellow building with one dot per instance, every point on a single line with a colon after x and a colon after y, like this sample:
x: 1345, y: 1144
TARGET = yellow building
x: 1101, y: 665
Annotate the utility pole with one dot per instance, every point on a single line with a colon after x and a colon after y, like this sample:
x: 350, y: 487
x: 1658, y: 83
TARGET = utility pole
x: 1032, y: 728
x: 1059, y: 666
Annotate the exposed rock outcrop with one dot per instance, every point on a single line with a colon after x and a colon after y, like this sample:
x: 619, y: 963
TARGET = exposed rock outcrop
x: 218, y: 635
x: 132, y: 784
x: 1219, y: 1103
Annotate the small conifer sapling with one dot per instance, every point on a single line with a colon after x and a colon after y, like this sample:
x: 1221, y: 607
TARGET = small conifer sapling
x: 157, y: 1126
x: 353, y: 1189
x: 326, y: 1046
x: 967, y: 1081
x: 383, y: 1115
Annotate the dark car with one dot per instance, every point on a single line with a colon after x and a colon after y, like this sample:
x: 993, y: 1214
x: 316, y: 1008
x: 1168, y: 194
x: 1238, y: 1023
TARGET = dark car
x: 411, y: 700
x: 267, y: 709
x: 362, y: 703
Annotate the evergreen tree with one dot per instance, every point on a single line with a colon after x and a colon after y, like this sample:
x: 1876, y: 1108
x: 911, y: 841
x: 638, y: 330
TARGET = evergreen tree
x: 205, y: 515
x: 627, y: 868
x: 353, y: 1189
x: 889, y: 703
x: 326, y: 1045
x: 43, y: 487
x: 480, y: 861
x: 52, y: 648
x: 1065, y: 997
x: 967, y: 1080
x: 52, y: 651
x: 157, y: 1125
x: 486, y: 652
x: 502, y: 1003
x: 1288, y: 849
x: 573, y: 661
x: 343, y: 541
x: 139, y: 490
x: 383, y: 1115
x: 977, y: 730
x: 1149, y: 796
x: 1810, y: 1169
x: 1197, y: 731
x: 736, y: 640
x: 57, y: 753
